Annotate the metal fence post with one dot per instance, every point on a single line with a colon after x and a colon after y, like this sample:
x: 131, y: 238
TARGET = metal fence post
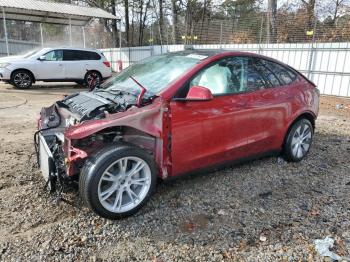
x: 311, y: 52
x: 70, y: 32
x: 260, y: 36
x: 5, y: 31
x: 41, y: 35
x: 221, y: 35
x: 84, y: 40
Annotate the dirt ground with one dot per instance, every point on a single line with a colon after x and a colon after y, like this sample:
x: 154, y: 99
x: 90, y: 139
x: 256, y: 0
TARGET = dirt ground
x: 265, y: 210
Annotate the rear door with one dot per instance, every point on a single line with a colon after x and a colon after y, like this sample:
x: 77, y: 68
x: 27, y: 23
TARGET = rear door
x: 75, y: 62
x: 271, y: 107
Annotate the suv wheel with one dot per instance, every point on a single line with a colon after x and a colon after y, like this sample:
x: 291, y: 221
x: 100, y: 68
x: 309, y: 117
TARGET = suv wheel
x: 298, y: 141
x: 22, y: 79
x: 93, y: 79
x: 118, y: 180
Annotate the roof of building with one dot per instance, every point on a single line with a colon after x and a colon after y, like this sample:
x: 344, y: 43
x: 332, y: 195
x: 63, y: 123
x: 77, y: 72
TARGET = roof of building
x: 51, y: 12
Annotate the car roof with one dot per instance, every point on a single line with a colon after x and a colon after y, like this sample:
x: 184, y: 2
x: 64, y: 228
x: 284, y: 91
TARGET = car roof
x: 214, y: 52
x: 72, y: 48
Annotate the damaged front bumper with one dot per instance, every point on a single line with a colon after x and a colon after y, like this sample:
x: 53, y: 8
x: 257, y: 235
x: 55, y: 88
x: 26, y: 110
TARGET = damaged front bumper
x: 46, y: 161
x: 56, y: 158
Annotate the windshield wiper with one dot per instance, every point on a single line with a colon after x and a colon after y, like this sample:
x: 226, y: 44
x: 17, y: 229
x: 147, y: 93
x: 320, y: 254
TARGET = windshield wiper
x: 142, y: 93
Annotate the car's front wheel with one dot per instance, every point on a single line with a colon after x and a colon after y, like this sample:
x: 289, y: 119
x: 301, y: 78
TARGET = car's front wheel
x: 298, y: 140
x: 118, y: 180
x: 21, y: 79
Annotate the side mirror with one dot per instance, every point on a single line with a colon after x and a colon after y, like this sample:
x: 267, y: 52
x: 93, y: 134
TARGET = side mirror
x: 199, y: 93
x: 42, y: 58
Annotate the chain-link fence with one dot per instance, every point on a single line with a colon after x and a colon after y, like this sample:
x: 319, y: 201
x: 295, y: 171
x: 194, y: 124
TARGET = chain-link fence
x: 287, y: 28
x: 24, y: 36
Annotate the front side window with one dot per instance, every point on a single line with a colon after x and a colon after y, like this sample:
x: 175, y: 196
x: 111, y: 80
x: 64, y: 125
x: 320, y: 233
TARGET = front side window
x: 230, y: 76
x: 55, y: 55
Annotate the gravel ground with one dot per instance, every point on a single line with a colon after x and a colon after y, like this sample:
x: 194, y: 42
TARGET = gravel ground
x: 265, y: 210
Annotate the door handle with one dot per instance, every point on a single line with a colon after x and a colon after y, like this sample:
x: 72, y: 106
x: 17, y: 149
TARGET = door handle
x: 60, y: 64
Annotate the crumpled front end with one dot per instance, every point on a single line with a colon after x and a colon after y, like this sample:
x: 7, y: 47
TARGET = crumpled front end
x: 66, y: 136
x: 54, y: 152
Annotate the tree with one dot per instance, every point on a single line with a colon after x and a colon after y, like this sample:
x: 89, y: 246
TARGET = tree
x: 310, y: 12
x: 174, y: 11
x: 126, y: 13
x: 271, y: 21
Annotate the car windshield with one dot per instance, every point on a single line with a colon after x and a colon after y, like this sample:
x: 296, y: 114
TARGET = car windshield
x: 154, y: 73
x: 30, y: 53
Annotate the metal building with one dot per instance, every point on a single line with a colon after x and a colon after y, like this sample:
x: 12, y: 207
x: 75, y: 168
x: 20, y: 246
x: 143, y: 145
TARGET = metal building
x: 51, y: 13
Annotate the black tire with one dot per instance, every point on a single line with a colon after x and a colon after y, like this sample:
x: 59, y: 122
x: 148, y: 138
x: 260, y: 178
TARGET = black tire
x: 93, y: 75
x: 97, y: 164
x: 22, y: 79
x: 291, y: 149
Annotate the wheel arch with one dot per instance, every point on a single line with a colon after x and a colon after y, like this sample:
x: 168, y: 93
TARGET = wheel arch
x: 23, y: 69
x: 304, y: 115
x: 92, y: 70
x: 132, y: 136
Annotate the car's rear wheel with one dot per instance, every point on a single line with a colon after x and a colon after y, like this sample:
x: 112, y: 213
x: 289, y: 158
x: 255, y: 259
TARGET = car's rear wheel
x: 92, y: 79
x: 298, y: 140
x: 22, y: 79
x: 118, y: 180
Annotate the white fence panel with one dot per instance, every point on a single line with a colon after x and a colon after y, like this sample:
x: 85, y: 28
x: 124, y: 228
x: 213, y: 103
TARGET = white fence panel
x: 326, y: 64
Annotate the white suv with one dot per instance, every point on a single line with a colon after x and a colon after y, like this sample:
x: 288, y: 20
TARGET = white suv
x: 83, y: 66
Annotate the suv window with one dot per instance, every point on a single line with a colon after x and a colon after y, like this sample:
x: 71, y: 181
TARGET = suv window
x: 92, y: 55
x: 285, y: 75
x: 267, y: 73
x: 55, y: 55
x: 77, y: 55
x: 230, y: 76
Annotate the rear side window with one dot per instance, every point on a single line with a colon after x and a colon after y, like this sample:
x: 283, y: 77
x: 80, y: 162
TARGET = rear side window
x: 78, y: 55
x: 267, y: 73
x: 93, y: 56
x: 284, y: 75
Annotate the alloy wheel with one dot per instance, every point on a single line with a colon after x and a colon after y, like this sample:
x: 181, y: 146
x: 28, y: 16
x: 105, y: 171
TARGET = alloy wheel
x: 301, y: 141
x: 22, y: 80
x: 124, y: 184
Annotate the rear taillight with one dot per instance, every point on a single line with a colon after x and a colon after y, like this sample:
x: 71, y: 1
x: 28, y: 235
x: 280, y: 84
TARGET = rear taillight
x: 106, y: 63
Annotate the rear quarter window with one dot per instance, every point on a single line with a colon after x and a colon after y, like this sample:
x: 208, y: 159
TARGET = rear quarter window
x: 93, y: 56
x: 284, y: 75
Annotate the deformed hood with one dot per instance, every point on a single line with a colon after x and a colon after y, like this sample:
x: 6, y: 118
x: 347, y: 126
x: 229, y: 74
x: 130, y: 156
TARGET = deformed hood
x: 94, y: 105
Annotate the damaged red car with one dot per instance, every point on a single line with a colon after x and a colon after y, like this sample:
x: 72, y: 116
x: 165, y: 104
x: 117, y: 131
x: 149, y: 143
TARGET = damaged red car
x: 169, y: 115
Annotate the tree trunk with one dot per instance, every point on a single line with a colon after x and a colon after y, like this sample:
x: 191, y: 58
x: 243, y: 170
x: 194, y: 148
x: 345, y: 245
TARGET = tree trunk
x: 310, y: 9
x: 335, y: 15
x: 271, y: 21
x: 161, y: 21
x: 174, y: 20
x: 140, y: 21
x: 114, y: 26
x: 143, y: 24
x: 126, y: 6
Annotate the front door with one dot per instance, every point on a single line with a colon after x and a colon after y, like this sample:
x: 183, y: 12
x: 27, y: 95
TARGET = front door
x: 205, y: 133
x: 52, y: 67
